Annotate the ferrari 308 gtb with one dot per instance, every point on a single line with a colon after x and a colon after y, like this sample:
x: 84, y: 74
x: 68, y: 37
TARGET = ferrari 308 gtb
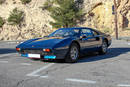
x: 65, y: 43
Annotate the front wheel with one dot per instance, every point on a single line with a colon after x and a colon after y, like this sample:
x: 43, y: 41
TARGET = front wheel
x: 73, y: 54
x: 104, y: 48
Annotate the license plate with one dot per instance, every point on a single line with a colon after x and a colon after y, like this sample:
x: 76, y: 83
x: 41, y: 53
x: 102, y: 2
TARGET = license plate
x: 31, y: 55
x: 34, y: 55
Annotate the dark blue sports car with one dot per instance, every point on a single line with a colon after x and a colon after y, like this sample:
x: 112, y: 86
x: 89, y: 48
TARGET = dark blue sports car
x: 65, y: 43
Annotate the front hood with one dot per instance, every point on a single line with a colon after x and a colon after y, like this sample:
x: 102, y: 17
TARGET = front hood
x: 47, y: 42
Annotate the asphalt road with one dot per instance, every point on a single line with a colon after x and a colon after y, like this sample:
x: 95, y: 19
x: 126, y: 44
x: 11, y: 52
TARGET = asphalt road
x: 110, y: 70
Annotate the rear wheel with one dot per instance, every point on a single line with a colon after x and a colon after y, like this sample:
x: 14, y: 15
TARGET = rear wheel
x: 104, y: 48
x: 73, y: 54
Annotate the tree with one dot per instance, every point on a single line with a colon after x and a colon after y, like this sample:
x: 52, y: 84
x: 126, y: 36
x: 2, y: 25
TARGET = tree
x: 65, y: 13
x: 1, y: 22
x: 16, y: 17
x: 2, y: 1
x: 26, y: 1
x: 116, y: 19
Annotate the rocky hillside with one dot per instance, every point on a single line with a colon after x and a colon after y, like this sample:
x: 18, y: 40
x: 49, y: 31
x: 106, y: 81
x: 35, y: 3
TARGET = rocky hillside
x: 36, y: 21
x: 100, y: 16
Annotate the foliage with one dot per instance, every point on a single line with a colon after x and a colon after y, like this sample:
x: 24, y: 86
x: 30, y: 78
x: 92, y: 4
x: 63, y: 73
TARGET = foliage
x: 107, y: 30
x: 65, y: 13
x: 127, y: 28
x: 25, y: 1
x: 16, y: 17
x: 1, y: 21
x: 2, y: 1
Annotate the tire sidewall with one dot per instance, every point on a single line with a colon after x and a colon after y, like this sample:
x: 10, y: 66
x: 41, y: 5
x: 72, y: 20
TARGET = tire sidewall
x: 102, y: 49
x: 69, y: 59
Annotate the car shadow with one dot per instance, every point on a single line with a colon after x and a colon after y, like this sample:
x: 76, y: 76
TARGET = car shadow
x: 112, y: 53
x: 7, y: 50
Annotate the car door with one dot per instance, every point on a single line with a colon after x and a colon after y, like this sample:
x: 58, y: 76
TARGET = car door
x: 87, y: 40
x: 98, y: 39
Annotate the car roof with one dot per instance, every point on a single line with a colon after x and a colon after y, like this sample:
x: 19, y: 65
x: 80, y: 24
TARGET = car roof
x: 83, y: 28
x: 77, y: 28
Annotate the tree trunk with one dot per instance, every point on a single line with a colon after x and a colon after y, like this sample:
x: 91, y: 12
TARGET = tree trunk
x: 116, y: 24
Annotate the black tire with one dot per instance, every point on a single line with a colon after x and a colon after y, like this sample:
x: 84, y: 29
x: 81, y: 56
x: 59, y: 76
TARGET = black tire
x: 104, y: 48
x: 69, y: 58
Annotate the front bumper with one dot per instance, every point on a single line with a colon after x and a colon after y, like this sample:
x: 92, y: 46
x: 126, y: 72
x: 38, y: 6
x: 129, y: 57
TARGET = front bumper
x: 58, y: 53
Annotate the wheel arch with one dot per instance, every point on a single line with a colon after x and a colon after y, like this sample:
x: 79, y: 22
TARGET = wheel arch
x: 67, y: 57
x: 105, y: 39
x: 76, y: 42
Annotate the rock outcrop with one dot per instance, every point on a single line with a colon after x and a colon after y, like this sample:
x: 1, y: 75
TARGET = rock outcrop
x: 36, y: 22
x: 100, y: 15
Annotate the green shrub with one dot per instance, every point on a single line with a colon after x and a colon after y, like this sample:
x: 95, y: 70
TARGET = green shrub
x: 1, y: 21
x: 107, y: 30
x: 66, y: 13
x: 25, y: 1
x: 127, y: 28
x: 2, y: 1
x: 16, y: 17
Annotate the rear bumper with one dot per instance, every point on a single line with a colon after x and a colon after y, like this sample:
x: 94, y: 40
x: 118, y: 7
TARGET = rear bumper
x: 109, y: 40
x: 58, y: 53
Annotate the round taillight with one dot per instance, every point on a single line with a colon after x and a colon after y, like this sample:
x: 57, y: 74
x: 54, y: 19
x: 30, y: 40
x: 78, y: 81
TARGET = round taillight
x: 47, y: 50
x: 18, y: 49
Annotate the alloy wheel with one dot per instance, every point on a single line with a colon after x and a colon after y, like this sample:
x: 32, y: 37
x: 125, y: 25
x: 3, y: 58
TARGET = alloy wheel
x: 74, y: 53
x: 104, y: 47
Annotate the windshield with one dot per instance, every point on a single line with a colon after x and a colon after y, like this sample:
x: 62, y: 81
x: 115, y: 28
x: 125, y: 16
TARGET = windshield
x: 64, y: 33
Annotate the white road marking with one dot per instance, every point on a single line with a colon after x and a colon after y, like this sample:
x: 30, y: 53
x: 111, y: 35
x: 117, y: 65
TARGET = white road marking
x: 3, y: 61
x: 82, y: 81
x: 9, y: 54
x: 43, y: 76
x: 27, y: 64
x: 34, y: 73
x: 124, y: 85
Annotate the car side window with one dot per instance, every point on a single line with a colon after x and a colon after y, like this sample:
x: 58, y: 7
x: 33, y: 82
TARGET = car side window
x: 95, y: 33
x: 86, y: 32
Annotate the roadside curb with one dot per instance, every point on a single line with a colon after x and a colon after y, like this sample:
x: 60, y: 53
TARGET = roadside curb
x: 15, y: 42
x: 125, y: 38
